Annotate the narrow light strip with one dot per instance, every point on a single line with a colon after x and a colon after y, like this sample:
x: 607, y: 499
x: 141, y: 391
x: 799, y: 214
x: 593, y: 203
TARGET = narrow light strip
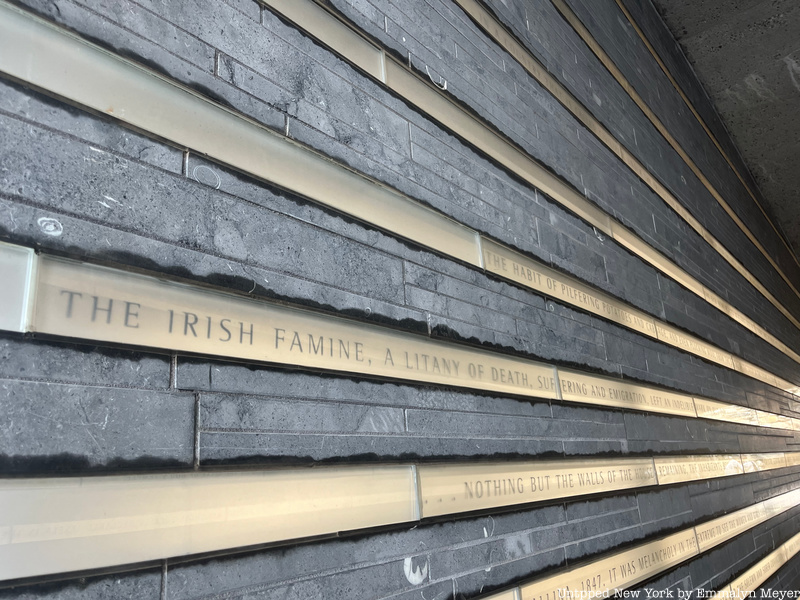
x: 586, y: 36
x: 17, y: 265
x: 526, y: 59
x: 456, y: 488
x: 703, y: 124
x: 45, y: 55
x: 89, y: 302
x: 71, y: 524
x: 66, y: 65
x: 619, y: 571
x: 57, y: 525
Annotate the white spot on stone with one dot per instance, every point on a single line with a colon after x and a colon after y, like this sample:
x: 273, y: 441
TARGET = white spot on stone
x: 794, y: 71
x: 758, y: 85
x: 206, y: 175
x: 415, y: 573
x: 50, y: 226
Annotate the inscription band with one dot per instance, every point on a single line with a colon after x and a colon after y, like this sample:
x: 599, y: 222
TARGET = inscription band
x: 763, y: 569
x: 497, y: 32
x: 84, y: 301
x: 56, y: 525
x: 700, y: 120
x: 622, y: 570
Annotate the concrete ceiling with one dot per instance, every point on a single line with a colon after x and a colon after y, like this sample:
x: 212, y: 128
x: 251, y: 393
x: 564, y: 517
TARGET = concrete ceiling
x: 747, y: 55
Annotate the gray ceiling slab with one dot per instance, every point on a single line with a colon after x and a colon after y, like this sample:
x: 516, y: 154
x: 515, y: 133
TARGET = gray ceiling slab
x: 747, y: 55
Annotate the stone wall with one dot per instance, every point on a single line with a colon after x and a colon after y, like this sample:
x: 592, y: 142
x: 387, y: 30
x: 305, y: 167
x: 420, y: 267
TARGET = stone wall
x: 136, y: 201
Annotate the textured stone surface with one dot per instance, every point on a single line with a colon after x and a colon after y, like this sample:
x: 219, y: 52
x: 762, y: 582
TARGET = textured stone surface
x: 145, y: 585
x: 418, y: 558
x: 56, y: 428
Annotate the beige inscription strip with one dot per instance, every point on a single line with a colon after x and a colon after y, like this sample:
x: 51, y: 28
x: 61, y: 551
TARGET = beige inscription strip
x: 716, y: 531
x: 446, y: 489
x: 595, y: 47
x: 431, y: 100
x: 108, y: 83
x: 46, y: 56
x: 792, y: 547
x: 764, y: 461
x: 766, y: 419
x: 56, y: 525
x: 84, y: 301
x: 616, y: 572
x: 691, y: 468
x: 520, y: 269
x: 752, y: 578
x: 17, y: 266
x: 756, y: 575
x: 703, y: 124
x: 720, y: 411
x: 91, y: 302
x: 593, y: 389
x: 675, y: 337
x: 621, y: 570
x: 70, y: 524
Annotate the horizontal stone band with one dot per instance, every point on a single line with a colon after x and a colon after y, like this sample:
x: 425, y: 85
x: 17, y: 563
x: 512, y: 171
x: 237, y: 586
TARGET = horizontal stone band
x: 638, y: 168
x: 192, y: 121
x: 702, y: 123
x: 762, y: 570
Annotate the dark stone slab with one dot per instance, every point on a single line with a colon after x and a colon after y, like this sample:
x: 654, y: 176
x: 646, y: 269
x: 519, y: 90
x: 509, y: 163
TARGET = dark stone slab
x: 59, y: 429
x: 42, y: 360
x: 144, y: 585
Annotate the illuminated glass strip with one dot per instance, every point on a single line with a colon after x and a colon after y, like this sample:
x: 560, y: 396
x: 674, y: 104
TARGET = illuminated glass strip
x: 57, y: 525
x: 619, y: 571
x: 431, y: 100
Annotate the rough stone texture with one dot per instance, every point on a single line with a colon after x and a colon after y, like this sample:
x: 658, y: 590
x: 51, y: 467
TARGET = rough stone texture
x: 55, y: 428
x: 565, y: 253
x: 550, y: 40
x: 57, y: 362
x: 127, y: 199
x: 144, y: 585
